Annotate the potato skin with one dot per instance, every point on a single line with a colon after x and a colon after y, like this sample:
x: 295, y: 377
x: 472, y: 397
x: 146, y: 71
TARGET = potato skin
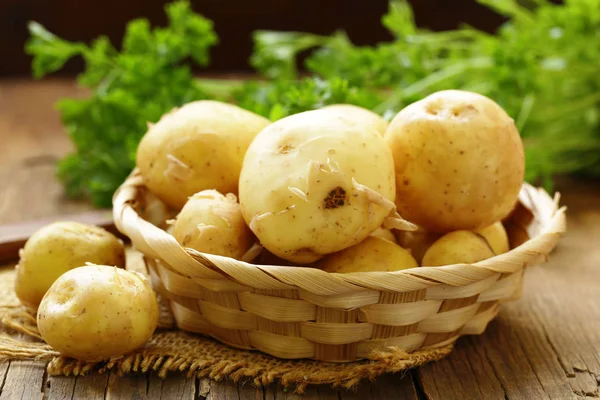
x: 496, y: 236
x: 57, y: 248
x: 96, y: 312
x: 360, y: 115
x: 212, y: 223
x: 296, y: 186
x: 456, y: 248
x: 196, y: 147
x: 385, y: 234
x: 417, y: 242
x: 372, y: 254
x: 459, y: 161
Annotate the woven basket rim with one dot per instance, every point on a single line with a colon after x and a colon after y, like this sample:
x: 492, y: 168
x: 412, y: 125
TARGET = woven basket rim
x: 548, y: 214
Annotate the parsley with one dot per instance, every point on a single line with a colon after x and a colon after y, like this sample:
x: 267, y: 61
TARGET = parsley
x: 131, y: 87
x: 541, y: 67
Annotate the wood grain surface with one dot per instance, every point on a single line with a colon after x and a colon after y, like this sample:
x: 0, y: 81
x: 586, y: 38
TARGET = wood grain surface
x: 544, y: 346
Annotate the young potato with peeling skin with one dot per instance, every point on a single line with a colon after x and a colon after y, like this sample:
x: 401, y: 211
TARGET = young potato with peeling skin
x: 96, y: 312
x: 213, y: 223
x: 372, y: 254
x: 57, y: 248
x: 385, y: 234
x: 196, y: 147
x: 457, y: 247
x: 360, y: 115
x: 418, y: 242
x: 496, y: 236
x: 459, y: 161
x: 315, y: 183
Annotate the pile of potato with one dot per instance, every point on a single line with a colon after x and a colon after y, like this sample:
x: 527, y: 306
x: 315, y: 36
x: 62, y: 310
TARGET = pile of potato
x: 337, y: 188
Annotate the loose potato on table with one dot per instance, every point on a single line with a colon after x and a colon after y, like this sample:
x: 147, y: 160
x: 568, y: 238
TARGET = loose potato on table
x: 459, y: 161
x: 372, y: 254
x: 315, y: 183
x: 212, y: 223
x: 196, y: 147
x: 456, y: 248
x: 57, y: 248
x: 97, y: 312
x: 360, y: 115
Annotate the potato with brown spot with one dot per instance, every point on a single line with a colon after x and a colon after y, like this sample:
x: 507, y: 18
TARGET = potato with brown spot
x: 97, y: 312
x: 324, y: 193
x: 58, y: 248
x: 213, y: 223
x: 196, y: 147
x: 370, y: 255
x: 459, y: 161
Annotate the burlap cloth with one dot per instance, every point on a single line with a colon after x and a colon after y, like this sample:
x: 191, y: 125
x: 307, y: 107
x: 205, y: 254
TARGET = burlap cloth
x: 170, y: 349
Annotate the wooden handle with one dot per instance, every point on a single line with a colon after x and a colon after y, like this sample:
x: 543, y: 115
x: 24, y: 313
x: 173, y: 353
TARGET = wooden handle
x: 14, y: 236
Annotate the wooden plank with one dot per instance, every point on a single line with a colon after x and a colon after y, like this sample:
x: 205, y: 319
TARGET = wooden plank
x: 246, y: 390
x: 4, y: 366
x: 91, y: 387
x: 465, y: 373
x: 24, y: 380
x: 61, y: 388
x: 223, y: 390
x: 127, y: 387
x: 175, y: 386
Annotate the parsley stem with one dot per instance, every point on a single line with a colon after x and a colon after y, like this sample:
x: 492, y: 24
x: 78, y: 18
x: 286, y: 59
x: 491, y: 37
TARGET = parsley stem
x: 421, y: 86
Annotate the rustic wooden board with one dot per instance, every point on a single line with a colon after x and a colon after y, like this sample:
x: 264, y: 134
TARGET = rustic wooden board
x: 545, y: 346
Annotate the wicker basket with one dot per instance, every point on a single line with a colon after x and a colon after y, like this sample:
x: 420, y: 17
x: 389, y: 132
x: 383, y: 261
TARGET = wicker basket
x: 300, y: 312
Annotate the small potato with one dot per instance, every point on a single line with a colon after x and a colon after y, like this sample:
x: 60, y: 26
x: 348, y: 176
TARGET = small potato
x: 418, y: 242
x: 372, y: 254
x: 196, y: 147
x: 57, y: 248
x: 360, y: 116
x: 496, y: 237
x: 456, y: 248
x: 212, y: 223
x: 385, y: 234
x: 459, y: 161
x: 97, y: 312
x: 315, y: 183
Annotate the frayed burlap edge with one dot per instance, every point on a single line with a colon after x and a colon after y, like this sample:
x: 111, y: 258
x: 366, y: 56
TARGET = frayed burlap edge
x: 196, y: 356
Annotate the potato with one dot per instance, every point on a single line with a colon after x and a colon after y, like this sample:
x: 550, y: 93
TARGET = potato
x: 57, y: 248
x: 315, y: 183
x: 360, y: 116
x: 496, y: 237
x: 212, y: 223
x: 459, y: 161
x: 196, y: 147
x: 96, y: 312
x: 372, y: 254
x: 385, y: 234
x: 456, y: 248
x: 417, y: 242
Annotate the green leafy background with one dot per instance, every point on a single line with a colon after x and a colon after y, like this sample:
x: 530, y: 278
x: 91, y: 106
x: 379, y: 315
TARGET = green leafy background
x: 542, y: 66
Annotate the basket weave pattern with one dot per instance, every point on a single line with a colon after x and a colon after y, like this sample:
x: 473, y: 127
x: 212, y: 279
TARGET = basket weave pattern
x: 301, y: 312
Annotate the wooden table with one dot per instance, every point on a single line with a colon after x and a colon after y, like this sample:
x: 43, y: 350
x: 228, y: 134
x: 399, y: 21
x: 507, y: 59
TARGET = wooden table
x: 544, y: 346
